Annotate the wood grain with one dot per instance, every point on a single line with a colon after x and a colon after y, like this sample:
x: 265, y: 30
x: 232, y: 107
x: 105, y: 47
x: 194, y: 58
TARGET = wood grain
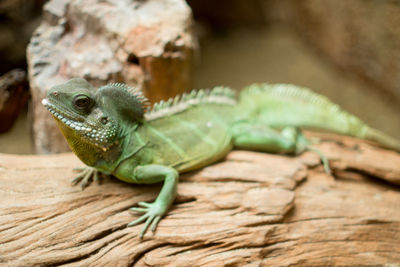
x: 250, y: 209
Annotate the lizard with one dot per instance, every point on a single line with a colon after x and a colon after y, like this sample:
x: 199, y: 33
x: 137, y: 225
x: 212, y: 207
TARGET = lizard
x: 115, y: 132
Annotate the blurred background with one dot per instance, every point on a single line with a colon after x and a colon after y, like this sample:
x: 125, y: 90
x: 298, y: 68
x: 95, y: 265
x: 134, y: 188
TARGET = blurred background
x: 346, y: 50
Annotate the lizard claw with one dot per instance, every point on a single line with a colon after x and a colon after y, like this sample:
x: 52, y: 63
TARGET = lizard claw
x: 153, y: 213
x: 86, y: 176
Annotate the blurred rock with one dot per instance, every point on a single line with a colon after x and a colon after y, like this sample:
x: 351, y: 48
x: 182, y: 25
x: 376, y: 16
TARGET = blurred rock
x: 144, y: 43
x: 18, y: 19
x: 362, y: 37
x: 241, y: 13
x: 14, y: 95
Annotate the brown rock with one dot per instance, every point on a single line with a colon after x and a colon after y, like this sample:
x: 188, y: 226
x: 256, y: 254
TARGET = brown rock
x: 360, y: 36
x: 14, y: 95
x: 18, y: 19
x: 251, y: 209
x: 144, y: 43
x: 241, y: 13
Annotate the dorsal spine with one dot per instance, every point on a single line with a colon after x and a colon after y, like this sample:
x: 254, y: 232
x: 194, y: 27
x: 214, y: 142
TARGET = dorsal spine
x: 217, y: 95
x: 135, y: 92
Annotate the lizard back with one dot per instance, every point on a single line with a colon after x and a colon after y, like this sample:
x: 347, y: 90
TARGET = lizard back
x: 192, y: 130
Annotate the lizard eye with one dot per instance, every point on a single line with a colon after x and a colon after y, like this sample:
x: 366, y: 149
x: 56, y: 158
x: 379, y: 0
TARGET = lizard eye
x: 81, y: 102
x: 104, y: 120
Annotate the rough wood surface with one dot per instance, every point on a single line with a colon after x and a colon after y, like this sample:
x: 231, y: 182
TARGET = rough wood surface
x: 148, y: 44
x: 250, y: 209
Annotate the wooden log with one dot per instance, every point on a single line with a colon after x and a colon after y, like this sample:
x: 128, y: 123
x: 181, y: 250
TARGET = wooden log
x: 250, y: 209
x: 148, y: 44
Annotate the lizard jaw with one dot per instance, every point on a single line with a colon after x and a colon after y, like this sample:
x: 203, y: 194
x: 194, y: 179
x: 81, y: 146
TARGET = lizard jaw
x: 64, y: 117
x: 96, y: 137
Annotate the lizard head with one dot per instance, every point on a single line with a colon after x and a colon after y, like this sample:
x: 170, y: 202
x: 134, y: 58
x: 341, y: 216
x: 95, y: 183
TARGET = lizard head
x: 95, y: 117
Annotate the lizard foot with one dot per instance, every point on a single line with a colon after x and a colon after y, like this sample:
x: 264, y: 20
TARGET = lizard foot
x: 304, y: 144
x: 153, y: 213
x: 86, y: 176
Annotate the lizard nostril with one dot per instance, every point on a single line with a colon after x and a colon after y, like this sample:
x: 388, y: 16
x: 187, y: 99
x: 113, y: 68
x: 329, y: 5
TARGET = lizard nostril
x: 55, y: 93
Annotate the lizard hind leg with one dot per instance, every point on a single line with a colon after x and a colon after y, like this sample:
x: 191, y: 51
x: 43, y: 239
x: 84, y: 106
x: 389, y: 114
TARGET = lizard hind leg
x: 303, y: 144
x: 260, y: 137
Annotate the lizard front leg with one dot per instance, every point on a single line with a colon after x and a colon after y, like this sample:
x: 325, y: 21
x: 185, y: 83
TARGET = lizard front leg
x: 153, y: 212
x: 86, y: 176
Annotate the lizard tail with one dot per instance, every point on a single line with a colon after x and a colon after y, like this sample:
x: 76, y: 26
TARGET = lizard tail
x: 382, y: 139
x: 281, y: 105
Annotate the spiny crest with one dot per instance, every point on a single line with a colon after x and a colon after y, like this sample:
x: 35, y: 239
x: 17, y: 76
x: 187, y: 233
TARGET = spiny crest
x: 218, y: 95
x: 290, y: 92
x: 135, y: 92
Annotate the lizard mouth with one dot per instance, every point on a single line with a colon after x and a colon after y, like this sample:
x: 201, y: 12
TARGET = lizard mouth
x: 74, y: 122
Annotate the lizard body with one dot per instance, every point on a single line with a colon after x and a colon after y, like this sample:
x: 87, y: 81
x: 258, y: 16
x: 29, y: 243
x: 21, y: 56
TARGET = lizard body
x: 113, y: 131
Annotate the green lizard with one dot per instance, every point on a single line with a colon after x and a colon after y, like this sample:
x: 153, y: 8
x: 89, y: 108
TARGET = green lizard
x: 113, y: 131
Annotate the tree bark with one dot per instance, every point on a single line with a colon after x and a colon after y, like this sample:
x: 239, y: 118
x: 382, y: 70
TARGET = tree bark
x: 250, y: 209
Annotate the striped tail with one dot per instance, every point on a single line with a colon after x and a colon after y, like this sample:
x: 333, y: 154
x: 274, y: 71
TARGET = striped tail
x: 280, y: 105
